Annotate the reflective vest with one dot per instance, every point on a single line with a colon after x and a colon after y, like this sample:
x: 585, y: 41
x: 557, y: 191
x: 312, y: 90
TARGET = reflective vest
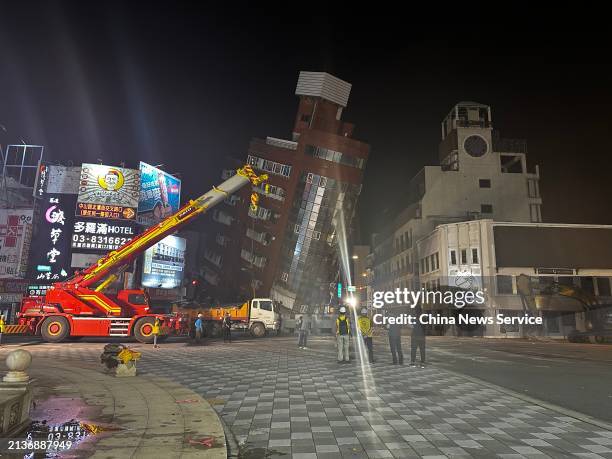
x: 342, y: 325
x: 365, y: 326
x: 156, y: 328
x: 1, y: 325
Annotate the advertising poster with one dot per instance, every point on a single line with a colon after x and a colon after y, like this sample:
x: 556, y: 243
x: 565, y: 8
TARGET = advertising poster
x: 15, y: 237
x: 50, y: 250
x: 160, y: 195
x: 164, y: 263
x: 108, y: 192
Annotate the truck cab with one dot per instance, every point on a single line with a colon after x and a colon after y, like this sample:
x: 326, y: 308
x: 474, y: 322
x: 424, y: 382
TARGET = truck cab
x: 263, y: 316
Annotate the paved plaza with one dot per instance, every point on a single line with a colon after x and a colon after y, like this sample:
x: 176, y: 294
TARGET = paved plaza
x: 280, y: 401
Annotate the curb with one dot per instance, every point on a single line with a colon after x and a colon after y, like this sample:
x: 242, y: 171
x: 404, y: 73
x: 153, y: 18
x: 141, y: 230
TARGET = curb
x: 146, y: 408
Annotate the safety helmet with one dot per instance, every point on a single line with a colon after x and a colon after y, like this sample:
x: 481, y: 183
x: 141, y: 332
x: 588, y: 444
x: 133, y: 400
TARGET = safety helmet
x: 342, y: 309
x: 364, y: 312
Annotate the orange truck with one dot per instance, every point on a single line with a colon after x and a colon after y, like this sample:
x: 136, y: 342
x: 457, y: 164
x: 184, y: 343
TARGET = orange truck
x: 258, y: 316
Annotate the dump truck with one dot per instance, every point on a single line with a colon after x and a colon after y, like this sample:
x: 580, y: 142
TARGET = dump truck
x: 259, y: 316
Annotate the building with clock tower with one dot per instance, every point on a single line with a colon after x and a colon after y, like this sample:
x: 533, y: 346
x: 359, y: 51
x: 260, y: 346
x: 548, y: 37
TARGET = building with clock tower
x: 480, y: 176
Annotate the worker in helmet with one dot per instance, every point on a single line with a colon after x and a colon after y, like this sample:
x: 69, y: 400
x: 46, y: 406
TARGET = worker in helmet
x: 343, y: 328
x: 365, y: 329
x: 199, y: 328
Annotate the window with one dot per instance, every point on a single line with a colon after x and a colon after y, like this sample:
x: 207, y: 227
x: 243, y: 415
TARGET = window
x: 269, y: 166
x: 532, y: 188
x: 484, y: 183
x: 504, y: 285
x: 534, y: 213
x: 437, y: 258
x: 587, y: 284
x: 453, y: 258
x: 265, y: 305
x: 486, y: 209
x: 474, y: 256
x: 137, y: 298
x: 464, y: 256
x: 603, y: 286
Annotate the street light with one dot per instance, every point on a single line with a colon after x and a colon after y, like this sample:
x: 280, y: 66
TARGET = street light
x: 355, y: 257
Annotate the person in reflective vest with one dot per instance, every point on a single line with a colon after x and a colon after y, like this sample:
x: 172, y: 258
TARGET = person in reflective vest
x: 2, y: 325
x: 156, y: 332
x: 343, y: 330
x: 365, y: 328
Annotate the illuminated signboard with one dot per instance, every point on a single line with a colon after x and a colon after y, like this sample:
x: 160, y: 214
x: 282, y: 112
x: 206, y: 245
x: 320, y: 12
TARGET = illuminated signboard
x: 99, y: 235
x: 38, y: 289
x: 160, y: 195
x: 164, y: 263
x: 15, y: 237
x: 108, y: 192
x: 50, y: 249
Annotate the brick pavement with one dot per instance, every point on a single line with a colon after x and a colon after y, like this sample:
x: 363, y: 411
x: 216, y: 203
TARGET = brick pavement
x: 284, y: 401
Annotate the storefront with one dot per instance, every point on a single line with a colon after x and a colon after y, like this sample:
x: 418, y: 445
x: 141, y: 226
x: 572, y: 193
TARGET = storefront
x: 12, y: 292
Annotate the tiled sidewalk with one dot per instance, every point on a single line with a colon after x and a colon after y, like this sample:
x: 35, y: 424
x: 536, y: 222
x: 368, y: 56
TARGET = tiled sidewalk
x: 283, y: 402
x: 303, y: 403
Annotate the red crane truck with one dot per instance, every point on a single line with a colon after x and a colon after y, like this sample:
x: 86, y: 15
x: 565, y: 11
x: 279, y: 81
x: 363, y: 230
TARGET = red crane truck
x: 79, y: 307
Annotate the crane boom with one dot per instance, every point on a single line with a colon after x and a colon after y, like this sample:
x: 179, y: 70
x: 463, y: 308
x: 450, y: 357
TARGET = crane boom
x: 114, y: 260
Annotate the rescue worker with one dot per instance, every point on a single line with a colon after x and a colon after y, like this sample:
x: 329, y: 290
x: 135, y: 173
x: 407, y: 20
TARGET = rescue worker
x: 365, y: 328
x: 2, y: 325
x: 304, y: 326
x: 417, y: 340
x: 395, y: 343
x: 156, y: 332
x: 343, y: 329
x: 199, y: 328
x: 227, y: 327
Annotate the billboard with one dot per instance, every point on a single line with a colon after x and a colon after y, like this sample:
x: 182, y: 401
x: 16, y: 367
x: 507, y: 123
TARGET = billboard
x: 56, y: 179
x: 50, y: 248
x: 101, y: 235
x: 164, y: 263
x: 160, y: 195
x: 15, y: 237
x: 108, y: 192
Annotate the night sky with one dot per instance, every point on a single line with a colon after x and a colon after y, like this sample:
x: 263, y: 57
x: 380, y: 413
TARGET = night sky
x: 188, y: 88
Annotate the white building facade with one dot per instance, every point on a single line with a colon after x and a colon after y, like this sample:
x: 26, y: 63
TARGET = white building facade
x: 569, y: 269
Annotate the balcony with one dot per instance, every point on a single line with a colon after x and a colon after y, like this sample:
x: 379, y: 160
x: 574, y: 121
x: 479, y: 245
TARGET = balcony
x: 232, y: 200
x: 257, y: 260
x: 221, y: 217
x: 262, y: 238
x: 260, y: 214
x: 211, y: 278
x: 222, y: 240
x: 213, y: 258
